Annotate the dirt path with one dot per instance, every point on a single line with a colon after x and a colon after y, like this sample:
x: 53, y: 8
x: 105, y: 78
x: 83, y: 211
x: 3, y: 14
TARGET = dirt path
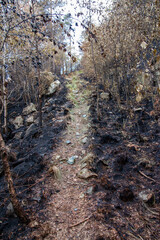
x: 70, y: 206
x: 72, y: 210
x: 69, y: 211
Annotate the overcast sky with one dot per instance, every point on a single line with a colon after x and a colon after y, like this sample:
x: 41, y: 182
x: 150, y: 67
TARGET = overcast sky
x: 73, y: 7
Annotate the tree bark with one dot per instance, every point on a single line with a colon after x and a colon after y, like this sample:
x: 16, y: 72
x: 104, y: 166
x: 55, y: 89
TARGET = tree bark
x: 16, y: 204
x: 4, y: 75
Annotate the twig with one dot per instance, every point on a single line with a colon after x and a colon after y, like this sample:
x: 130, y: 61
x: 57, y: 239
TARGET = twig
x: 132, y: 228
x: 33, y: 184
x: 144, y: 175
x: 135, y: 237
x: 84, y: 220
x: 155, y: 213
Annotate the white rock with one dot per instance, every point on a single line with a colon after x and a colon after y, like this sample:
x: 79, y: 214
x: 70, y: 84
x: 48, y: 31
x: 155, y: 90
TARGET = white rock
x: 143, y: 45
x: 53, y: 87
x: 147, y: 196
x: 84, y: 140
x: 29, y: 120
x: 104, y: 96
x: 10, y: 209
x: 82, y: 195
x: 29, y: 109
x: 58, y: 157
x: 33, y: 224
x: 86, y: 173
x: 18, y: 122
x: 90, y: 190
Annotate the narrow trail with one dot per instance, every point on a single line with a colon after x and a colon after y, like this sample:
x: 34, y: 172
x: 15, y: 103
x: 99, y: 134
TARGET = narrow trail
x: 72, y: 211
x: 69, y: 211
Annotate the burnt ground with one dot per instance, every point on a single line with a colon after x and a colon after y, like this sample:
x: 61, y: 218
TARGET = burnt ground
x: 32, y: 149
x: 126, y: 144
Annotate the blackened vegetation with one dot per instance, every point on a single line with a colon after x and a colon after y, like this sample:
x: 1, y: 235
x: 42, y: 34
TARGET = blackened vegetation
x: 33, y: 151
x: 126, y: 145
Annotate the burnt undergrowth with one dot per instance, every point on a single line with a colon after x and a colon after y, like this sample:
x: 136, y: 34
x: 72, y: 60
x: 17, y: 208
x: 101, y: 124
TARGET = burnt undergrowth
x: 126, y: 144
x: 33, y: 150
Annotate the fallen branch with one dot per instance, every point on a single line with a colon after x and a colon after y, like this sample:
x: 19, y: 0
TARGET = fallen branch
x: 84, y: 220
x: 144, y: 175
x: 154, y: 213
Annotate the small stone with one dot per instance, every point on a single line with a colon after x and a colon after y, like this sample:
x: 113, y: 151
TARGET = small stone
x: 148, y: 197
x: 77, y: 134
x: 53, y: 87
x: 84, y: 140
x: 68, y: 142
x: 137, y: 109
x: 86, y: 173
x: 143, y: 45
x: 60, y: 121
x: 90, y: 190
x: 29, y: 109
x: 58, y: 157
x: 81, y: 195
x: 10, y: 209
x: 72, y: 159
x: 105, y: 96
x: 18, y: 122
x: 38, y: 198
x: 29, y: 120
x: 33, y: 224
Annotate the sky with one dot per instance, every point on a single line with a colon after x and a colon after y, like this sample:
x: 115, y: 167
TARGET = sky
x: 72, y: 7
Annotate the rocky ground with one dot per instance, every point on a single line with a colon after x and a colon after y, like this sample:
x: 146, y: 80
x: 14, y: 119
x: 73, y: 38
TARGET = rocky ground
x: 85, y: 178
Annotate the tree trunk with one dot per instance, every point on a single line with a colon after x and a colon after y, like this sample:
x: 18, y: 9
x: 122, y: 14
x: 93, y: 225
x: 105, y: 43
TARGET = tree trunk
x: 4, y: 75
x: 39, y: 97
x: 94, y: 63
x: 38, y: 73
x: 16, y: 205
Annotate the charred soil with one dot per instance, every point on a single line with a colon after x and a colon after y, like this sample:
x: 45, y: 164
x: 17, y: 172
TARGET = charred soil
x: 83, y: 178
x: 126, y: 144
